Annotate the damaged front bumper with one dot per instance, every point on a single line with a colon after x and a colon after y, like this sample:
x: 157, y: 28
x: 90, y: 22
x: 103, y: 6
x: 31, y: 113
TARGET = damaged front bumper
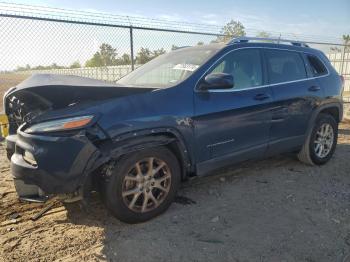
x: 50, y: 164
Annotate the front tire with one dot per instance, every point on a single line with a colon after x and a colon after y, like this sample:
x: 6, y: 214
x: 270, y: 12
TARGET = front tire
x: 320, y: 144
x: 142, y: 185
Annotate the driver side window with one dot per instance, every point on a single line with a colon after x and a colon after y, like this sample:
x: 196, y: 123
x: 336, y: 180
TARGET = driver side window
x: 245, y: 66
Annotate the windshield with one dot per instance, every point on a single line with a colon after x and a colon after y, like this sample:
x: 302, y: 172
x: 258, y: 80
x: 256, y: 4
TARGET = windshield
x: 169, y: 69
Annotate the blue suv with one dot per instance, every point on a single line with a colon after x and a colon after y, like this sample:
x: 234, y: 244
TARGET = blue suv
x: 185, y: 113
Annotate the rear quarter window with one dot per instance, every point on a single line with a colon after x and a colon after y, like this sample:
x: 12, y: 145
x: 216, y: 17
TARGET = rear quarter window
x: 316, y: 66
x: 284, y: 66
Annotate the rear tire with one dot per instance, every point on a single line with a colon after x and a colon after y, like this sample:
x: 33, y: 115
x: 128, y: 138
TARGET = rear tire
x: 134, y: 192
x: 321, y: 142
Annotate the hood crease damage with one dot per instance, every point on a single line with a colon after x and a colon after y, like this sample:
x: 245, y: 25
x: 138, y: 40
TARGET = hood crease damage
x: 42, y: 93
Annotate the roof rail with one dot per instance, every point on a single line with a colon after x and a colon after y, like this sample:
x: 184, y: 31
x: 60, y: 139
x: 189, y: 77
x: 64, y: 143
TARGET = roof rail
x: 245, y: 39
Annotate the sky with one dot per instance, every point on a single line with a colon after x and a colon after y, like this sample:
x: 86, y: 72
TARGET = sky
x: 315, y: 17
x: 43, y: 43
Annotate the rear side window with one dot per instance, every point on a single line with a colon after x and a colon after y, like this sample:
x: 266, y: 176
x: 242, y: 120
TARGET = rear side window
x: 284, y: 66
x: 316, y: 66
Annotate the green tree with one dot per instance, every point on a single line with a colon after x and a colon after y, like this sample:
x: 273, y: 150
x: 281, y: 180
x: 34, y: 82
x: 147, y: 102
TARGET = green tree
x: 106, y: 56
x: 230, y: 30
x: 55, y: 66
x: 95, y: 61
x: 263, y: 34
x: 75, y: 64
x: 143, y: 56
x: 23, y: 68
x: 174, y: 47
x: 40, y: 67
x: 158, y: 52
x: 125, y: 59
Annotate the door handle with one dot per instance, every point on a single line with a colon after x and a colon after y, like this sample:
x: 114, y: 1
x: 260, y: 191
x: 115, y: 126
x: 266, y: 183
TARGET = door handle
x: 314, y: 88
x: 261, y: 97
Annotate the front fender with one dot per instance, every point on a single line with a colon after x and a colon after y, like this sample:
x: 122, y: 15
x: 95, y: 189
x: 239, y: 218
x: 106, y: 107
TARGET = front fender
x: 141, y: 139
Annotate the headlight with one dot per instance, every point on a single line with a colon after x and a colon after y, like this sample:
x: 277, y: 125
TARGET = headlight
x: 60, y: 124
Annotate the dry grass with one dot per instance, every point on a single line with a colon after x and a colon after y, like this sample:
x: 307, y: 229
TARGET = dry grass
x: 7, y: 81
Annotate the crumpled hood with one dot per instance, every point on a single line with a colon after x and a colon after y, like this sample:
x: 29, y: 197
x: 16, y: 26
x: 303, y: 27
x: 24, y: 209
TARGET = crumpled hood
x: 41, y: 93
x: 59, y: 91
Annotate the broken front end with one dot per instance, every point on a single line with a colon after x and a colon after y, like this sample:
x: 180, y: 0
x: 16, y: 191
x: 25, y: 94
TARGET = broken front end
x: 53, y: 141
x: 53, y: 157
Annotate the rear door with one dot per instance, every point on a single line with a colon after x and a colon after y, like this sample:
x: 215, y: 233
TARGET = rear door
x: 294, y: 97
x: 234, y: 122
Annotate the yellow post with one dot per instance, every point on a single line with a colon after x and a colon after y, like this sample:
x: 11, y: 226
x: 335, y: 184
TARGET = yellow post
x: 4, y: 124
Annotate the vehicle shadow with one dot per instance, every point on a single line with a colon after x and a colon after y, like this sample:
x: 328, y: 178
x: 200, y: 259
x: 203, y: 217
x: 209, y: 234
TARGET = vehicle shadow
x: 254, y: 211
x: 96, y: 215
x: 344, y: 131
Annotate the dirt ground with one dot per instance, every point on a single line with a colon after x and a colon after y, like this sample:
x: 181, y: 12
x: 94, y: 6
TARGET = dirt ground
x: 271, y: 210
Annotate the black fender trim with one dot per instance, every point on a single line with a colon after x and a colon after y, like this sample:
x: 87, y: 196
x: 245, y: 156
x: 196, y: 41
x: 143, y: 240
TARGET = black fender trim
x: 147, y: 138
x: 318, y: 110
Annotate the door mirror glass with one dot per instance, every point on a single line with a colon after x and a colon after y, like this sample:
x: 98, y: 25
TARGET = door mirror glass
x: 217, y: 81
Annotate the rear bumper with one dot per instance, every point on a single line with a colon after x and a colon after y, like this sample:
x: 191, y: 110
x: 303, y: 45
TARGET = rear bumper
x: 62, y: 163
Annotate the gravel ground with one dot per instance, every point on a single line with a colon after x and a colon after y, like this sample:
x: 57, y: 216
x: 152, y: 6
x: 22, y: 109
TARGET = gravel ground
x: 271, y: 210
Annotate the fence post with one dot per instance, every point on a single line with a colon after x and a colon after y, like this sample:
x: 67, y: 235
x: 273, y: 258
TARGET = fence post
x: 132, y: 48
x: 342, y: 60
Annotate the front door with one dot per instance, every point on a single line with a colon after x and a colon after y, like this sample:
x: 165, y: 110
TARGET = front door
x: 234, y: 123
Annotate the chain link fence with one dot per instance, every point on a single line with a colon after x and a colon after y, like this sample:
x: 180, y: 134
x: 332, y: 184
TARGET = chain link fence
x: 341, y: 62
x: 107, y: 47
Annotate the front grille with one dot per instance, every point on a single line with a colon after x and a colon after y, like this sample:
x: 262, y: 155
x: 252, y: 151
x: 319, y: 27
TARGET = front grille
x: 19, y: 111
x: 14, y: 113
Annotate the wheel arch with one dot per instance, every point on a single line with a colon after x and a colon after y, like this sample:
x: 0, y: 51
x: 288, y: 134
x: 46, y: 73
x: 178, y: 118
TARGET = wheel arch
x: 139, y: 140
x: 333, y: 109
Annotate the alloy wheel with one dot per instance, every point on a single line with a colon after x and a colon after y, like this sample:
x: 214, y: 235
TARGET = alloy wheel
x: 324, y: 140
x: 146, y: 185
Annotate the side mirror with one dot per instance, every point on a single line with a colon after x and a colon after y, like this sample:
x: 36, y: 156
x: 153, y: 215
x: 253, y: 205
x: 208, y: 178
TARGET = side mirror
x: 217, y: 81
